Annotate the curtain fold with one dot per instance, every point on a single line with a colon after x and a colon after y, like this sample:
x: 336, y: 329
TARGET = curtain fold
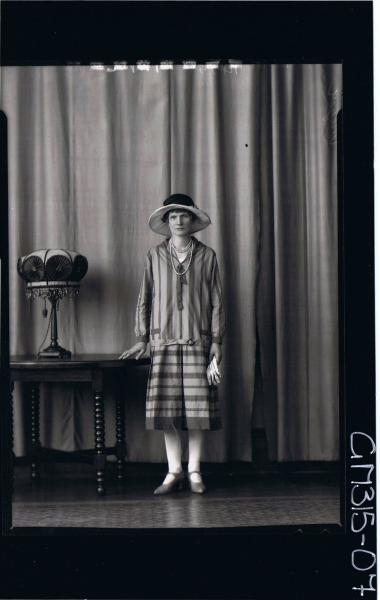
x: 298, y: 284
x: 92, y: 153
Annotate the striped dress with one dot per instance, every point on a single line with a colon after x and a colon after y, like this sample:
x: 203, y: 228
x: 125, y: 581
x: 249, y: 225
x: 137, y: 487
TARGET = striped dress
x: 180, y: 315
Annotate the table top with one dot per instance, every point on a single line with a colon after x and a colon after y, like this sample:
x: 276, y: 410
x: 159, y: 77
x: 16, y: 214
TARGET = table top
x: 77, y: 361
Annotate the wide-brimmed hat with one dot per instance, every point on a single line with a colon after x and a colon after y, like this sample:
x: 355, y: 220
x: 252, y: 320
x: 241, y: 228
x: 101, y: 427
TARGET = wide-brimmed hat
x: 178, y: 201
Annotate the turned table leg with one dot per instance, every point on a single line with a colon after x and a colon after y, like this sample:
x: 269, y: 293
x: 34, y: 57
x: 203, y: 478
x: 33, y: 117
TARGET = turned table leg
x: 100, y: 456
x: 120, y: 438
x: 35, y: 430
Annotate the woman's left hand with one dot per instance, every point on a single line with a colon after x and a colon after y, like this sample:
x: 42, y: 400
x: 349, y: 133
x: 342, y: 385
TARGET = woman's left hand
x: 213, y: 374
x: 216, y: 350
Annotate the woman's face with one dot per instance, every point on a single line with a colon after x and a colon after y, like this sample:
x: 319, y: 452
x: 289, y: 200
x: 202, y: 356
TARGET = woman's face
x: 180, y: 222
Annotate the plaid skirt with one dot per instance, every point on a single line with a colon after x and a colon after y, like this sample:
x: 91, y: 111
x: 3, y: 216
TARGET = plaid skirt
x: 178, y: 393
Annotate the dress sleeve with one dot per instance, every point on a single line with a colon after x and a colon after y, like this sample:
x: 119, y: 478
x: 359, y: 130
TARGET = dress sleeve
x: 144, y: 303
x: 218, y: 320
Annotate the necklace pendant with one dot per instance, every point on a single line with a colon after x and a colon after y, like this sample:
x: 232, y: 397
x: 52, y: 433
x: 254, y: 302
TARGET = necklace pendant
x: 179, y: 293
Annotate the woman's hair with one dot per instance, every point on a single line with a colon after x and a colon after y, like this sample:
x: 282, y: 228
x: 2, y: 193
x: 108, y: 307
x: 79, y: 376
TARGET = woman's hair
x: 166, y: 215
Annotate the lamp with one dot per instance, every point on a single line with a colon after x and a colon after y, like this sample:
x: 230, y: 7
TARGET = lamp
x: 52, y: 275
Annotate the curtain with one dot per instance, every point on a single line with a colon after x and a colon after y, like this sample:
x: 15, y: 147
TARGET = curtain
x: 298, y: 283
x: 93, y: 152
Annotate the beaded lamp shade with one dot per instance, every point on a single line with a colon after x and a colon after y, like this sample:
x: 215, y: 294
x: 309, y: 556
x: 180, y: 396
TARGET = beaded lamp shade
x: 51, y: 275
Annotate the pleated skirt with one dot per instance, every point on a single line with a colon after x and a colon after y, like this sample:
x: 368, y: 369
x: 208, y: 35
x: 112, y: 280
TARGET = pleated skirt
x: 178, y: 393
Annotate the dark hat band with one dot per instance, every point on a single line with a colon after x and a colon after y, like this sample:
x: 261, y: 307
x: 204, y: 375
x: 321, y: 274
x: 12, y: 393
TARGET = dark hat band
x: 179, y: 199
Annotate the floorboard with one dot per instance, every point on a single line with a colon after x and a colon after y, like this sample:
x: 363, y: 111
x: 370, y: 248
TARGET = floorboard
x: 235, y: 497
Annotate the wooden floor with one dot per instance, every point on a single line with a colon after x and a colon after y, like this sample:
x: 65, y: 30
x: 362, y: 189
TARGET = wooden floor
x: 236, y: 497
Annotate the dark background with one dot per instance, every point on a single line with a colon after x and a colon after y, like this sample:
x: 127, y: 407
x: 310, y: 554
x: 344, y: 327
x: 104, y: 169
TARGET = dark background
x: 213, y: 564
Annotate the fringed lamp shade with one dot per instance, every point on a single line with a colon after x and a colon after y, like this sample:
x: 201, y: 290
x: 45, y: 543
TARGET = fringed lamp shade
x: 51, y: 275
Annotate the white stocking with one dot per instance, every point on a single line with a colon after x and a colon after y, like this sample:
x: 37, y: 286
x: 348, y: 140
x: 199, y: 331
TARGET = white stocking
x: 195, y: 450
x: 173, y: 452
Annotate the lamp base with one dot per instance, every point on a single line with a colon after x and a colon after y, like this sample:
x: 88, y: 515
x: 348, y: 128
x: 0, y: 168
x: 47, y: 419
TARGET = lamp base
x: 54, y: 352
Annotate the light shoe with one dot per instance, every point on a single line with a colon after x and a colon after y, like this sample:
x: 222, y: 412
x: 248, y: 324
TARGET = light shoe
x: 197, y: 487
x: 167, y: 488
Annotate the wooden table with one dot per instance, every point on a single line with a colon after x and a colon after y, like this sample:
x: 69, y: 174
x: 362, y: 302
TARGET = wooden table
x: 89, y: 368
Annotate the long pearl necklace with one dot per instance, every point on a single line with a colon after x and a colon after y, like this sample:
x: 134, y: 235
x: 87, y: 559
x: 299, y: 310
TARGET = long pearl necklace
x: 183, y: 249
x: 191, y: 246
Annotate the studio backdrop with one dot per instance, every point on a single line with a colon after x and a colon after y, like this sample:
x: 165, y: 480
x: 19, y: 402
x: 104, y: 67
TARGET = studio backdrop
x: 93, y: 152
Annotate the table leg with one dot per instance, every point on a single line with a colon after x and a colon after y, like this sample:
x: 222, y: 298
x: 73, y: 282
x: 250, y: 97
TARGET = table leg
x: 120, y: 437
x: 35, y: 426
x: 100, y: 456
x: 12, y: 439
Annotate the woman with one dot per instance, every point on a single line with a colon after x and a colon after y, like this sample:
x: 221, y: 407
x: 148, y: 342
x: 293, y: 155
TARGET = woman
x: 180, y: 311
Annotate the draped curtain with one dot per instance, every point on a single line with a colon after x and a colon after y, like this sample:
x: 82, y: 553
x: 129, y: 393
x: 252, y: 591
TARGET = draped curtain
x: 298, y: 283
x: 93, y: 152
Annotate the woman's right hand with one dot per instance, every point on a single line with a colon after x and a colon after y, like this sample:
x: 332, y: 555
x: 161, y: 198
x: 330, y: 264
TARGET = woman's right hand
x: 136, y: 351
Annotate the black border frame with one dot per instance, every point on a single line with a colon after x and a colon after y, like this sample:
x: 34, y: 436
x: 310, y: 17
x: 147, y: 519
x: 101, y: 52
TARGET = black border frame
x: 228, y: 563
